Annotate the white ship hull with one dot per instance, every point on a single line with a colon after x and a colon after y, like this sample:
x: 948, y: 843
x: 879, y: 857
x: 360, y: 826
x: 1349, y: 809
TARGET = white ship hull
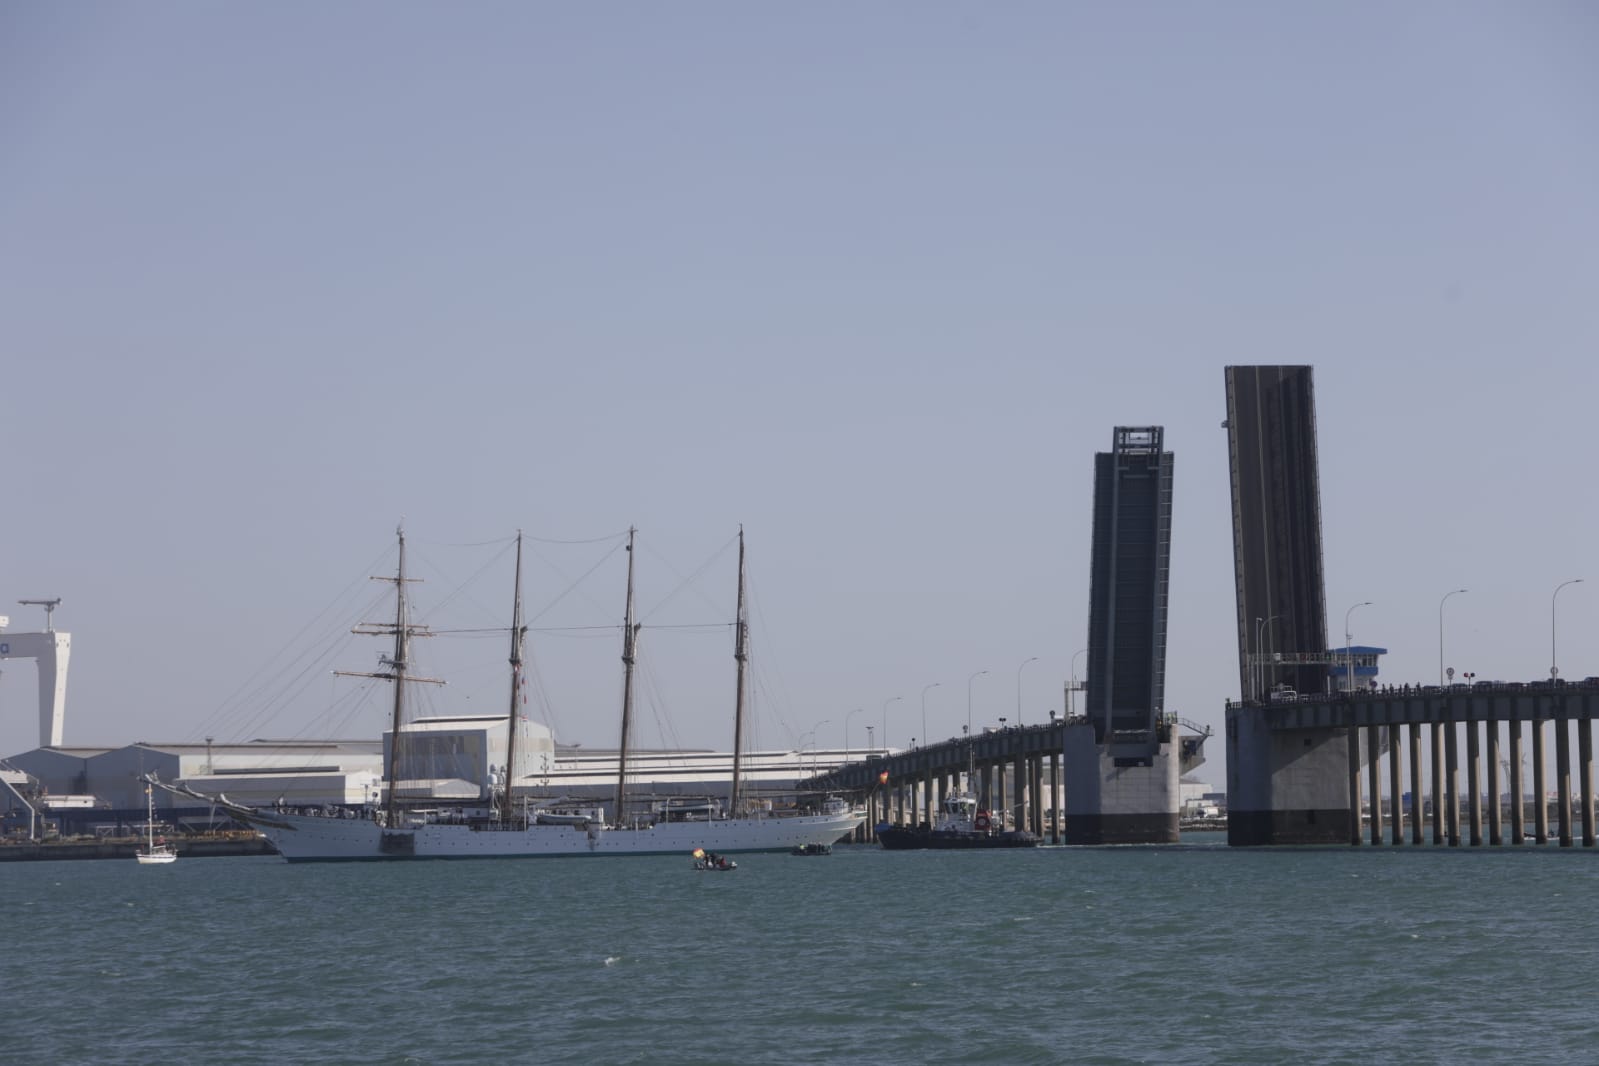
x: 300, y: 838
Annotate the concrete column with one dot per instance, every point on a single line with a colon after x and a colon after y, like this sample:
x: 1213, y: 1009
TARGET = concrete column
x: 1035, y: 803
x: 1585, y: 768
x: 1035, y: 795
x: 1563, y: 777
x: 1474, y: 781
x: 1374, y: 777
x: 1054, y: 798
x: 1001, y: 793
x: 1495, y: 819
x: 1437, y: 783
x: 1540, y: 798
x: 1019, y: 785
x: 1518, y: 813
x: 1396, y: 760
x: 1452, y: 784
x: 1417, y: 806
x: 1354, y: 786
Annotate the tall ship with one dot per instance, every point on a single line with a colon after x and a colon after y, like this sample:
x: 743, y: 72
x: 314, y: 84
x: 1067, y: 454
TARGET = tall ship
x: 413, y: 822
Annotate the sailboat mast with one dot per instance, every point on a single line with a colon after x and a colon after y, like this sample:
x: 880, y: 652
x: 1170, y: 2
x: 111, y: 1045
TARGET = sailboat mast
x: 741, y: 655
x: 401, y: 649
x: 517, y: 635
x: 629, y: 635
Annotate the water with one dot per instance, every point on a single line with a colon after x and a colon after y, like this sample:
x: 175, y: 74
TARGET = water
x: 1197, y: 954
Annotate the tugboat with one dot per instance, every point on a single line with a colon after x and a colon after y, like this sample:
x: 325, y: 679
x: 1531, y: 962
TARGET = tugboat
x: 961, y: 824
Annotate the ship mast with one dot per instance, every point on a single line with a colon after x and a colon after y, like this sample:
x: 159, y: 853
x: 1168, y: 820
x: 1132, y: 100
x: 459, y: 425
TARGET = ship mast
x: 396, y: 664
x: 402, y: 648
x: 629, y: 647
x: 741, y: 655
x: 518, y: 632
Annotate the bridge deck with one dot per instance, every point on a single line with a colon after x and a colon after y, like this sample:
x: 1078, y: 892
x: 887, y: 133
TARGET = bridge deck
x: 1429, y: 704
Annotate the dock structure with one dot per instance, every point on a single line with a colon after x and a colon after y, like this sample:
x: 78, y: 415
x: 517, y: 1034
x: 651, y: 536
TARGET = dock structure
x: 1495, y: 720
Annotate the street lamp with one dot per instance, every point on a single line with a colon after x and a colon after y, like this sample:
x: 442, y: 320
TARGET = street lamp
x: 847, y: 717
x: 1441, y: 603
x: 891, y: 699
x: 871, y: 745
x: 1349, y: 656
x: 1554, y: 670
x: 1071, y: 693
x: 969, y: 681
x: 1034, y: 659
x: 924, y: 709
x: 1259, y: 675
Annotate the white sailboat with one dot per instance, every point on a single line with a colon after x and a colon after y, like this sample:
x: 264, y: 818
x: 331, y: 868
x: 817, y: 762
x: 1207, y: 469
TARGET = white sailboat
x: 153, y: 853
x: 498, y: 830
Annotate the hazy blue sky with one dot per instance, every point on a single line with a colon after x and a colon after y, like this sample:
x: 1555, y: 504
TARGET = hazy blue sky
x: 875, y: 280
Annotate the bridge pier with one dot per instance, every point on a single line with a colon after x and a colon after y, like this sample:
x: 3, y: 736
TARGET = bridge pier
x: 1563, y: 780
x: 1474, y: 782
x: 1540, y: 807
x: 1438, y: 782
x: 1057, y: 817
x: 1585, y: 767
x: 1416, y: 792
x: 1495, y: 806
x: 1396, y: 814
x: 1289, y: 787
x: 1518, y: 811
x: 1374, y: 776
x: 1113, y: 800
x: 1452, y: 783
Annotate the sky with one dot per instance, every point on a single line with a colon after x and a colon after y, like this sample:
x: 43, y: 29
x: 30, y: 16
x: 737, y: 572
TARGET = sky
x: 875, y: 281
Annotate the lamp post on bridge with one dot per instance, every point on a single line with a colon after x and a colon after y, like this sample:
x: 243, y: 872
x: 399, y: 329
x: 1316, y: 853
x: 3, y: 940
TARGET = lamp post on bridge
x: 1349, y: 655
x: 1554, y: 668
x: 969, y: 681
x: 891, y: 699
x: 1441, y: 603
x: 847, y: 717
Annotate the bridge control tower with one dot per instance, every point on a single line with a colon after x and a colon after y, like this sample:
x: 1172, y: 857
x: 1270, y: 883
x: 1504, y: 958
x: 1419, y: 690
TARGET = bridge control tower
x: 51, y: 650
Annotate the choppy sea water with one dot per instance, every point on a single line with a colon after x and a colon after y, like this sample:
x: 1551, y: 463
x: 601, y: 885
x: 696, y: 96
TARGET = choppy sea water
x: 1189, y: 954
